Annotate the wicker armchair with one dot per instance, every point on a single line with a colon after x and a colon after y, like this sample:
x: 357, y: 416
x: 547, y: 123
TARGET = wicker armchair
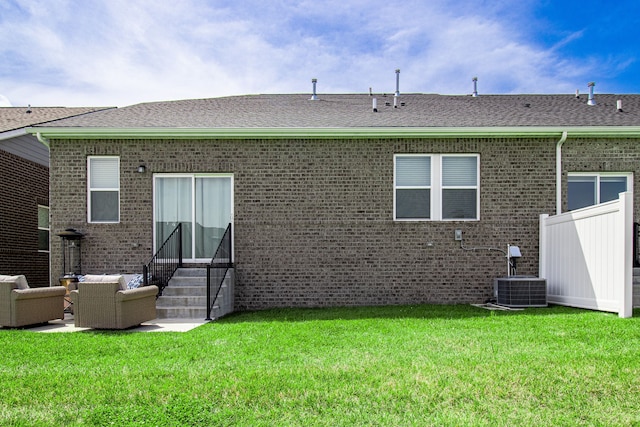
x: 103, y: 302
x: 21, y: 305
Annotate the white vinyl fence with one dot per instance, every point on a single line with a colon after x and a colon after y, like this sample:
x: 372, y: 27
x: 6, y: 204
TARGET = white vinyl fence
x: 586, y: 256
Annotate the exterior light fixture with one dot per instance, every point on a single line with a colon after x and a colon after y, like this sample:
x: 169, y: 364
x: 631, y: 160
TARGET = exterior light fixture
x: 71, y: 251
x: 71, y: 263
x: 142, y: 169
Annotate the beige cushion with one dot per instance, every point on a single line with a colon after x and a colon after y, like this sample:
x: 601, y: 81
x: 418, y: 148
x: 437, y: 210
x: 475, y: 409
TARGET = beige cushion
x: 105, y: 278
x: 21, y: 281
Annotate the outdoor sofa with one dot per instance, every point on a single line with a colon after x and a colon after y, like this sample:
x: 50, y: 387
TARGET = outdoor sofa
x: 105, y: 302
x: 21, y: 305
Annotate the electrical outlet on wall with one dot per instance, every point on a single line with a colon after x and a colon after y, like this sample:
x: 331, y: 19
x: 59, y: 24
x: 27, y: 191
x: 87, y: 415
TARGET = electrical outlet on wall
x: 458, y: 234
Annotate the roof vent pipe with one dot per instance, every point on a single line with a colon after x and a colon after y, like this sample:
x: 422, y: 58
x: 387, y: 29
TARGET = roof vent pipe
x: 397, y: 82
x: 577, y: 93
x: 619, y: 105
x: 375, y: 105
x: 591, y: 100
x: 475, y: 86
x: 314, y: 97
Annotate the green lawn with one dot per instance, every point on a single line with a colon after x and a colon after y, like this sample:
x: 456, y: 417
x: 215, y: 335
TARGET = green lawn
x: 383, y: 366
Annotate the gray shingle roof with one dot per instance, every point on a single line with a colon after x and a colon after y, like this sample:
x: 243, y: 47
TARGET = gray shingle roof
x: 13, y: 118
x: 355, y: 111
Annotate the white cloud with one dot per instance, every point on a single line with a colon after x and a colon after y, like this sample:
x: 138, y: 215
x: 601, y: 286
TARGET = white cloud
x: 119, y: 52
x: 4, y: 101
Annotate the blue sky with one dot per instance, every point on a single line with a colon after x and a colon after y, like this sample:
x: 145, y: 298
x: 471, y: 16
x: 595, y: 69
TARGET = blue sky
x: 122, y: 52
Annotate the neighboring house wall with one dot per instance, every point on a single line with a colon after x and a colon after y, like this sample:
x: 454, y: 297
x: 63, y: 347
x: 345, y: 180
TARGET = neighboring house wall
x: 314, y: 218
x: 28, y: 148
x: 24, y: 185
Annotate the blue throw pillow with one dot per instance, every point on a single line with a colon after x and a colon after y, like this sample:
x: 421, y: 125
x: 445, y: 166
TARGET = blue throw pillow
x: 136, y: 282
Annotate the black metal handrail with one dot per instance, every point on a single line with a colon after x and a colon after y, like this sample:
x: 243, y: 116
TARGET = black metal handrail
x: 165, y: 262
x: 219, y: 265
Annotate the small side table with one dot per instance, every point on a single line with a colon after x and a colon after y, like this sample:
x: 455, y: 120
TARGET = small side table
x: 70, y: 282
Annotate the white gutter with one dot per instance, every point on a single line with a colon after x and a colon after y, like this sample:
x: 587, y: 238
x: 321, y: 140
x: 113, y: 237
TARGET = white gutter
x: 42, y: 139
x: 559, y: 172
x: 333, y: 133
x: 12, y: 134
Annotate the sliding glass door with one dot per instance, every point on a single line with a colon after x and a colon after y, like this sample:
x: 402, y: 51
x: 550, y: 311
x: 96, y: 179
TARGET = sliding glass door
x: 202, y: 203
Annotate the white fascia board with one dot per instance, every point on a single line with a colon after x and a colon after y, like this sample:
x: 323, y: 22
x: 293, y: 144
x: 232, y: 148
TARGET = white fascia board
x: 333, y: 133
x: 12, y: 134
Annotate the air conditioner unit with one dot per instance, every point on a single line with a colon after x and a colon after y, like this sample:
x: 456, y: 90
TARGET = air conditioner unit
x: 520, y: 291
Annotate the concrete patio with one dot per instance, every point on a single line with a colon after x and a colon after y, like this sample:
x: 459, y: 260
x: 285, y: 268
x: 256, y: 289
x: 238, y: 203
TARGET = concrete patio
x: 156, y: 325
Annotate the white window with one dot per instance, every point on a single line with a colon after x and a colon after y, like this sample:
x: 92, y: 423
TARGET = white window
x: 43, y: 228
x: 104, y: 189
x: 436, y: 187
x: 588, y: 189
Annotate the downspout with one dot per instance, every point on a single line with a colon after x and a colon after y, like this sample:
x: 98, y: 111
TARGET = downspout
x: 559, y: 172
x: 42, y: 139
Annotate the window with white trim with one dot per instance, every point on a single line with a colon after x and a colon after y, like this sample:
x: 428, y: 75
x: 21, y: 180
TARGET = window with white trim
x: 436, y: 187
x: 43, y: 228
x: 104, y: 189
x: 588, y: 189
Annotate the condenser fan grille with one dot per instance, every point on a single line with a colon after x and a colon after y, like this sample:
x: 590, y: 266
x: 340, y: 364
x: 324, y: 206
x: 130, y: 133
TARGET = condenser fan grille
x: 521, y: 292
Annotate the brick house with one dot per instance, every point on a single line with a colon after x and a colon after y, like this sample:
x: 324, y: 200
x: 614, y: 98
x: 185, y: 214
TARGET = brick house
x: 333, y: 203
x: 24, y: 192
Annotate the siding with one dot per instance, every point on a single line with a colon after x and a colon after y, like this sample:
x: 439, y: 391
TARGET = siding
x: 27, y: 147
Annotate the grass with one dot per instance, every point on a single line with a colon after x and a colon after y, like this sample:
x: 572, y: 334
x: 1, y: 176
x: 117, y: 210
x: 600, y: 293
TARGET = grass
x: 375, y: 366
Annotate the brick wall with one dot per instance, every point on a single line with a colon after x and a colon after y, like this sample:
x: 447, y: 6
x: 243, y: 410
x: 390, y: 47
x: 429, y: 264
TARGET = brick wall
x: 23, y: 186
x: 314, y: 219
x: 605, y: 155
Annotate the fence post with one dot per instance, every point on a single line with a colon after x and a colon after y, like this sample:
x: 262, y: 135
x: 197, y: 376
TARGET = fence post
x: 626, y: 213
x: 180, y: 245
x: 542, y: 248
x: 145, y: 275
x: 636, y: 259
x: 209, y: 304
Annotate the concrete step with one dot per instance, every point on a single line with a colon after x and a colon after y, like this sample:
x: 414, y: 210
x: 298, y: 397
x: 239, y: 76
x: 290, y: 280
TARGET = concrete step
x: 181, y: 313
x: 191, y: 272
x: 190, y: 312
x: 174, y: 291
x: 188, y: 281
x: 182, y: 301
x: 188, y: 300
x: 185, y: 296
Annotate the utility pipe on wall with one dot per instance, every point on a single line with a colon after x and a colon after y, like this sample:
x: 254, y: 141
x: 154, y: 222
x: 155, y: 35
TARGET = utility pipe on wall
x: 559, y: 172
